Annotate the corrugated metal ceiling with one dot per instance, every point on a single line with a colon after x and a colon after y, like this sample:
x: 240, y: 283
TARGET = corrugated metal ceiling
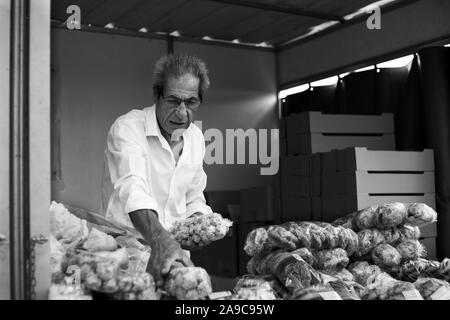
x: 250, y: 21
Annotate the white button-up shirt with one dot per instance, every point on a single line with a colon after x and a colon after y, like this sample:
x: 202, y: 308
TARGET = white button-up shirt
x: 140, y: 171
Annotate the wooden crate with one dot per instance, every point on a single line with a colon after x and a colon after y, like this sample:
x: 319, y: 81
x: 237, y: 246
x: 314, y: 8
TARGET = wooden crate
x: 312, y: 132
x: 362, y: 159
x: 388, y: 183
x: 321, y: 142
x: 330, y: 161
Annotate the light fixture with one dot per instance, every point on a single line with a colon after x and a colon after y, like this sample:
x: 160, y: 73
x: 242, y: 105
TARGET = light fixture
x: 447, y: 45
x: 110, y: 26
x: 325, y: 82
x: 143, y: 29
x: 287, y: 92
x: 236, y: 41
x: 396, y: 63
x: 207, y: 38
x: 175, y: 33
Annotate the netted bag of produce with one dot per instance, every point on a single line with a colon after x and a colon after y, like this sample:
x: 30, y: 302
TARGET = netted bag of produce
x: 343, y: 275
x: 256, y: 242
x: 419, y: 214
x: 333, y: 290
x: 292, y: 271
x: 68, y: 229
x: 316, y: 234
x: 303, y: 239
x: 444, y: 270
x: 331, y: 260
x: 433, y: 289
x: 368, y: 239
x: 331, y: 235
x: 365, y: 218
x: 134, y: 285
x: 188, y: 283
x: 386, y: 256
x: 252, y: 288
x: 390, y: 215
x: 305, y: 254
x: 282, y: 238
x: 199, y: 231
x: 348, y: 240
x: 413, y: 269
x: 383, y: 287
x: 411, y: 249
x: 363, y: 270
x: 346, y: 221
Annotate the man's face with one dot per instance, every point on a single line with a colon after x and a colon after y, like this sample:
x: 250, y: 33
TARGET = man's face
x: 171, y: 115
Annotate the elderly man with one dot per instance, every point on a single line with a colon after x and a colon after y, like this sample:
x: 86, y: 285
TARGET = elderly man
x: 154, y: 161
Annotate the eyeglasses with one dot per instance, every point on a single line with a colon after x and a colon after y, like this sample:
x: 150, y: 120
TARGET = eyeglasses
x: 175, y: 102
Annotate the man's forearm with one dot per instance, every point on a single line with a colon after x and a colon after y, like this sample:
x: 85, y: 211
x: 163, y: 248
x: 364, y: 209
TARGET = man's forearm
x: 146, y: 222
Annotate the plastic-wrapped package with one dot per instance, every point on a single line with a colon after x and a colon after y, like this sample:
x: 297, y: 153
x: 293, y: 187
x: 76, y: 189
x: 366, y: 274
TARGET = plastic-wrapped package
x: 282, y: 238
x: 408, y: 232
x: 348, y: 240
x: 303, y: 239
x: 433, y: 289
x: 292, y: 271
x: 419, y: 214
x: 188, y: 283
x: 256, y: 241
x: 390, y: 215
x: 362, y: 270
x: 346, y: 221
x: 383, y: 287
x: 316, y: 234
x: 135, y: 286
x: 365, y: 218
x: 68, y: 229
x: 386, y: 256
x: 255, y: 264
x: 67, y: 292
x: 368, y: 239
x: 253, y: 288
x: 413, y: 269
x: 200, y: 230
x: 331, y: 260
x: 411, y: 249
x: 444, y: 269
x: 57, y: 253
x: 99, y: 241
x: 334, y: 290
x: 343, y: 275
x: 305, y: 254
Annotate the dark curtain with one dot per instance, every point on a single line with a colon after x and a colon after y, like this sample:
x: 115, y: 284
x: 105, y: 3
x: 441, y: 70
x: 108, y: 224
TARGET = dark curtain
x: 419, y: 97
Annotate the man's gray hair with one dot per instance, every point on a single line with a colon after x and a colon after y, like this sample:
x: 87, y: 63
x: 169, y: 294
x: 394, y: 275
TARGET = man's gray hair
x: 177, y: 65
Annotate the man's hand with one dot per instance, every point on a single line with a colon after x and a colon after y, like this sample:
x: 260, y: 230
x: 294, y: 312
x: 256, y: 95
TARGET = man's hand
x: 166, y: 252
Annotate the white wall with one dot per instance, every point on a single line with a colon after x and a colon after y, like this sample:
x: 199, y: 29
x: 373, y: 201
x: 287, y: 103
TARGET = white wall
x: 98, y: 77
x: 405, y: 27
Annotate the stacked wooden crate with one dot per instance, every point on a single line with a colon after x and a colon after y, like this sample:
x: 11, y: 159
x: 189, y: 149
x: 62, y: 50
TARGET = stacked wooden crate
x: 337, y: 164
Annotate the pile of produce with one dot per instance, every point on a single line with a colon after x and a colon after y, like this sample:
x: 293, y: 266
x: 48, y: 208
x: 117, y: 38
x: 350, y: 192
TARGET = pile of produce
x: 85, y: 260
x: 199, y: 231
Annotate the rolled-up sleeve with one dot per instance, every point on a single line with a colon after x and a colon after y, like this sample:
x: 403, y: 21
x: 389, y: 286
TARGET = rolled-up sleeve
x: 127, y: 167
x: 195, y: 199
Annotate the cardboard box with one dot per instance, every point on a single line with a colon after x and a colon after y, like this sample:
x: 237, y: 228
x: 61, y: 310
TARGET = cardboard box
x: 389, y: 183
x: 360, y: 201
x: 430, y: 245
x: 243, y: 230
x: 316, y: 164
x: 320, y: 142
x: 361, y: 159
x: 295, y: 166
x: 332, y: 184
x: 257, y: 204
x: 333, y: 207
x: 317, y: 122
x: 296, y: 209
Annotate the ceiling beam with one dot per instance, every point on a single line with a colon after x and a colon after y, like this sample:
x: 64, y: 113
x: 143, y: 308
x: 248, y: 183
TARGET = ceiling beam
x: 282, y: 9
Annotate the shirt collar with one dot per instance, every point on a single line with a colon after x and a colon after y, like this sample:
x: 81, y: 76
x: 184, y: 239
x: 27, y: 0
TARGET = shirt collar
x: 151, y: 123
